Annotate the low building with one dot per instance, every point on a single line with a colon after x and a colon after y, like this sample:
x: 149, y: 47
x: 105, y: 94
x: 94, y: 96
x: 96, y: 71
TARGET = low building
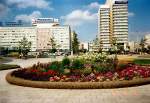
x: 84, y: 45
x: 48, y: 28
x: 132, y: 46
x: 39, y: 34
x: 10, y: 36
x: 147, y: 40
x: 62, y: 37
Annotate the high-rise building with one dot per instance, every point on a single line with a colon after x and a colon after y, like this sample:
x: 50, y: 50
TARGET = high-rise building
x: 113, y: 24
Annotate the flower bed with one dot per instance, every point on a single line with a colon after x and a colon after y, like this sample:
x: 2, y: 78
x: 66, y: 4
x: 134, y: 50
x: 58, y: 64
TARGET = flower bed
x: 130, y: 72
x: 98, y: 71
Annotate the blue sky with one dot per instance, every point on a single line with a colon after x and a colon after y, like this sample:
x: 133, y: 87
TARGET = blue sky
x: 80, y: 14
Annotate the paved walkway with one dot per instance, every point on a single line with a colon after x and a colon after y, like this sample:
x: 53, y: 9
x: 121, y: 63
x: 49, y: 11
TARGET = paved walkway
x: 31, y: 61
x: 17, y: 94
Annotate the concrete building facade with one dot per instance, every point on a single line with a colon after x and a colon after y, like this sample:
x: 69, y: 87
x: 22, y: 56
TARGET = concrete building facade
x: 84, y: 45
x: 39, y: 34
x: 147, y: 40
x: 113, y: 23
x: 48, y: 28
x: 10, y: 36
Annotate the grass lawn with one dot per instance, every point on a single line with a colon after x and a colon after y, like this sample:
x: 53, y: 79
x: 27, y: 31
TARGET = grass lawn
x: 142, y: 61
x: 8, y: 66
x: 1, y: 58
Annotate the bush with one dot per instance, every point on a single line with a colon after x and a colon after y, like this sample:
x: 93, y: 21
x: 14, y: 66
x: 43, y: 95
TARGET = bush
x: 77, y: 64
x: 66, y: 62
x: 122, y: 66
x: 56, y: 66
x: 87, y: 71
x: 102, y: 68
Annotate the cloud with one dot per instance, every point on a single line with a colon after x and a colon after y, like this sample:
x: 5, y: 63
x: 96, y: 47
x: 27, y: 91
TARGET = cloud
x: 27, y: 18
x: 78, y: 17
x: 131, y: 14
x: 41, y: 4
x: 3, y: 10
x: 93, y: 5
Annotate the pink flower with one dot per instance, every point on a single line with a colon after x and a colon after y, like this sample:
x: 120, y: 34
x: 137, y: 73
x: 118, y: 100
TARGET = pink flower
x: 109, y: 75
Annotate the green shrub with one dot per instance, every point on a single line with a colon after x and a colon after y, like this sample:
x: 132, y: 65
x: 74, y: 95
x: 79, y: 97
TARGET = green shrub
x: 66, y: 62
x: 77, y: 64
x: 122, y: 66
x: 87, y: 71
x: 55, y: 66
x: 102, y: 67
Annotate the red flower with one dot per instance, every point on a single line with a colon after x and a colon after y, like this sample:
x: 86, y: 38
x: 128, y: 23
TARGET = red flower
x: 51, y: 72
x: 34, y: 70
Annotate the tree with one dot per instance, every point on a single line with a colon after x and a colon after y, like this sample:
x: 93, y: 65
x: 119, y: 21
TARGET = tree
x: 120, y: 48
x: 2, y: 50
x: 53, y: 45
x: 148, y: 49
x: 75, y: 43
x: 24, y: 46
x: 114, y: 47
x: 142, y: 45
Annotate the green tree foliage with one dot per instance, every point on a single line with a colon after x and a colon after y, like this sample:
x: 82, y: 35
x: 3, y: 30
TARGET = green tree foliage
x: 142, y: 45
x: 66, y: 62
x: 75, y: 43
x: 53, y: 45
x: 77, y: 64
x: 120, y: 48
x: 24, y: 46
x: 3, y: 50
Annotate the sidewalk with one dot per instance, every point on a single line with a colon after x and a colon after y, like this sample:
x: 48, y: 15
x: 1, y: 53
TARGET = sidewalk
x: 17, y: 94
x: 31, y: 61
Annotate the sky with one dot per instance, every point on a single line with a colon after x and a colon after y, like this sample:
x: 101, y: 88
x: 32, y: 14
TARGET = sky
x: 81, y: 15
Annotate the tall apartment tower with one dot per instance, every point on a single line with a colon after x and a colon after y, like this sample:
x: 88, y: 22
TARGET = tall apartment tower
x: 113, y: 23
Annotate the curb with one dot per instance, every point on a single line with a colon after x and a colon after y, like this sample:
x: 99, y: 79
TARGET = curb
x: 75, y: 85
